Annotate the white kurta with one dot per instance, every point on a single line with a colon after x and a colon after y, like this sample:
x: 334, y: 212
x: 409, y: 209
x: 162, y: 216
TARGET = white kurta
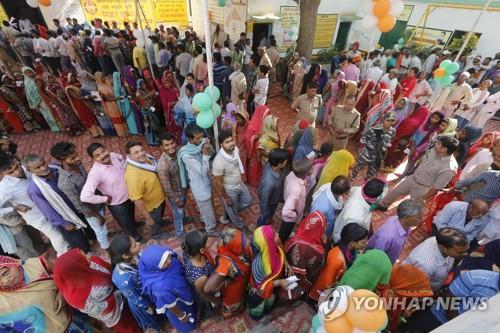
x: 356, y: 210
x: 477, y: 100
x: 487, y: 110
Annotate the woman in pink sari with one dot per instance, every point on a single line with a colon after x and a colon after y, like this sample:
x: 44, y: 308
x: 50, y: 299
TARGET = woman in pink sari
x: 253, y: 165
x: 339, y: 76
x: 169, y: 95
x: 375, y: 114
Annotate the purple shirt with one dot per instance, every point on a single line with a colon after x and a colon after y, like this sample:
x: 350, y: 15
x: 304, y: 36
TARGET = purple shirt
x: 390, y: 238
x: 351, y: 72
x: 43, y: 205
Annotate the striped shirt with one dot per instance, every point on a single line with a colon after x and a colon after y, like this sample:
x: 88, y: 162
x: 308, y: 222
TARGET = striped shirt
x: 489, y: 192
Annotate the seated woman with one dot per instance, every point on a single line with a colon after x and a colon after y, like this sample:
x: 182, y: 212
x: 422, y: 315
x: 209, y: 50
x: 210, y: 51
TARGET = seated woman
x: 268, y: 267
x: 353, y: 239
x: 198, y: 265
x: 305, y: 251
x: 232, y: 271
x: 124, y: 251
x: 29, y: 300
x: 85, y: 283
x: 164, y: 282
x: 369, y: 270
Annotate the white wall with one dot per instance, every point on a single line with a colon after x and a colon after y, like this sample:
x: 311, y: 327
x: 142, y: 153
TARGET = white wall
x: 60, y: 9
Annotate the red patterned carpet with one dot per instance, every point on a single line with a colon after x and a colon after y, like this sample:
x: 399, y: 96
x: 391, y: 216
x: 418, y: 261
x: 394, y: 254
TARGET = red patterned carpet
x: 289, y: 318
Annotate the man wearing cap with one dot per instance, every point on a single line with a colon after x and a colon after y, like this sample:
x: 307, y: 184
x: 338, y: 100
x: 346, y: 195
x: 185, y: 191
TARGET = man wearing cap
x: 460, y: 94
x: 343, y: 122
x: 376, y: 141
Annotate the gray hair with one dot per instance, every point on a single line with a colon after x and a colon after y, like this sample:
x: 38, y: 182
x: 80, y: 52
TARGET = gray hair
x: 408, y: 208
x: 31, y: 158
x: 302, y: 167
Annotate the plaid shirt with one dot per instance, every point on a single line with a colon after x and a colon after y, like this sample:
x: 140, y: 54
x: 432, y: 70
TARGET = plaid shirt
x: 71, y: 184
x: 168, y: 171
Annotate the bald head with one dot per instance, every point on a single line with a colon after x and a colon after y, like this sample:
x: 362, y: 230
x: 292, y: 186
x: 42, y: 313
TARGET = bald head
x: 477, y: 209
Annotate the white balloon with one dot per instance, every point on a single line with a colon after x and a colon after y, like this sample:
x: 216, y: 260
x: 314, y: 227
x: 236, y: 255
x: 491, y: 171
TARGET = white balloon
x: 367, y: 7
x: 369, y: 22
x: 321, y: 329
x: 32, y: 3
x: 347, y: 289
x: 397, y: 8
x: 334, y: 306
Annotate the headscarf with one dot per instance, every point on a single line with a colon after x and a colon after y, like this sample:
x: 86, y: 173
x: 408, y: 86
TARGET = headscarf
x: 479, y: 143
x: 88, y: 81
x: 255, y: 125
x: 472, y: 134
x: 335, y: 85
x: 350, y: 88
x: 32, y: 93
x: 229, y: 119
x: 187, y: 149
x: 269, y: 257
x: 269, y: 138
x: 131, y: 81
x: 422, y: 134
x: 75, y: 277
x: 236, y: 248
x: 452, y: 126
x: 309, y: 232
x: 409, y: 125
x: 368, y: 271
x: 375, y: 114
x: 165, y: 286
x: 402, y: 113
x: 306, y: 144
x: 338, y: 165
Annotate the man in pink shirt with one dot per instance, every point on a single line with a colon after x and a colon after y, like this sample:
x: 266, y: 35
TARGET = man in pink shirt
x: 107, y: 176
x: 351, y: 71
x: 295, y: 192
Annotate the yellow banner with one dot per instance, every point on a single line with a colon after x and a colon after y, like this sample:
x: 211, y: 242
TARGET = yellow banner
x: 171, y: 12
x: 290, y: 21
x: 3, y: 14
x: 430, y: 37
x: 325, y: 29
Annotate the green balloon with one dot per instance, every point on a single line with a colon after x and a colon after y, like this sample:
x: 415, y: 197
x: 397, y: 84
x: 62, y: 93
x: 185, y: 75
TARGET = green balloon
x: 201, y: 101
x: 316, y: 323
x: 401, y: 41
x: 217, y: 110
x: 445, y: 64
x: 205, y: 119
x: 446, y: 80
x: 452, y: 68
x: 212, y: 92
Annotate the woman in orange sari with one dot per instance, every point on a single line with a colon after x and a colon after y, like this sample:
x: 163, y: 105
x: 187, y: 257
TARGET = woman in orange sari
x: 109, y: 102
x: 240, y: 131
x: 253, y: 165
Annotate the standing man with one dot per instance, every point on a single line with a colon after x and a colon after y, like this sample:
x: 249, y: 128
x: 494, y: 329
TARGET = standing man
x: 344, y: 122
x: 143, y: 184
x: 238, y: 84
x: 72, y: 178
x: 111, y: 45
x: 460, y: 94
x: 107, y: 176
x: 274, y: 56
x: 182, y: 61
x: 168, y: 171
x: 14, y: 191
x: 308, y: 104
x: 194, y: 165
x: 261, y: 86
x: 227, y: 169
x: 436, y: 169
x: 53, y: 203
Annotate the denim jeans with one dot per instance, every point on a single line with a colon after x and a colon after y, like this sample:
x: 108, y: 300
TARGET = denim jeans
x: 241, y: 199
x: 178, y: 213
x: 76, y: 239
x: 157, y: 215
x: 124, y: 214
x: 101, y: 231
x: 207, y: 214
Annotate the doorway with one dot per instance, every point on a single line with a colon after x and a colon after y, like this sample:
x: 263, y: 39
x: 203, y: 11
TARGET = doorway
x: 342, y: 34
x: 261, y: 31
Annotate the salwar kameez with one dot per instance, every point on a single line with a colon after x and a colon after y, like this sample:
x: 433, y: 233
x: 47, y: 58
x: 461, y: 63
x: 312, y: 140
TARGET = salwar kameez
x: 124, y: 104
x: 110, y: 106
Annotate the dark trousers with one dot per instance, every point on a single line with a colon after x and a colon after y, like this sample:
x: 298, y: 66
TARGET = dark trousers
x: 156, y: 215
x: 76, y: 239
x: 124, y: 214
x: 422, y: 321
x: 286, y: 229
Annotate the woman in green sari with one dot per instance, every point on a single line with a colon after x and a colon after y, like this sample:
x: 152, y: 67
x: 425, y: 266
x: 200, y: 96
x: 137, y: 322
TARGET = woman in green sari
x: 368, y: 271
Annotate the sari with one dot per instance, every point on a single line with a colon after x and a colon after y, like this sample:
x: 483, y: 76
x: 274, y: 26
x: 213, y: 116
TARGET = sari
x: 228, y: 122
x: 363, y: 100
x: 233, y: 262
x: 334, y: 90
x: 401, y: 113
x: 36, y: 102
x: 298, y: 73
x: 375, y: 115
x: 407, y: 283
x: 168, y: 98
x: 395, y: 153
x: 145, y: 99
x: 269, y: 138
x: 267, y: 266
x: 10, y: 116
x: 368, y: 271
x: 480, y: 145
x: 82, y: 108
x: 240, y: 137
x: 167, y: 287
x: 122, y: 100
x: 305, y: 251
x: 131, y: 79
x: 17, y: 108
x: 472, y: 134
x: 339, y: 164
x: 306, y: 144
x: 86, y: 285
x: 33, y: 304
x: 110, y: 106
x: 253, y: 165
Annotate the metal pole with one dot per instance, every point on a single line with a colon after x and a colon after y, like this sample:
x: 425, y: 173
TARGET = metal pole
x: 138, y: 16
x: 208, y: 49
x: 469, y: 35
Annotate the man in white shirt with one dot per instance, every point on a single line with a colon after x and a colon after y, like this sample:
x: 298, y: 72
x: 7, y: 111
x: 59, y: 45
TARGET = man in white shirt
x: 182, y: 62
x: 43, y: 49
x: 261, y: 86
x: 390, y: 80
x: 14, y: 190
x: 416, y: 62
x: 374, y: 73
x: 428, y: 65
x: 62, y: 48
x: 25, y: 25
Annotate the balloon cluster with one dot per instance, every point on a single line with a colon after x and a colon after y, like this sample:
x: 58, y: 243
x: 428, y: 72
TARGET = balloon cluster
x: 381, y: 14
x: 293, y: 33
x: 203, y: 103
x: 350, y: 311
x: 444, y: 74
x: 36, y: 3
x: 400, y: 44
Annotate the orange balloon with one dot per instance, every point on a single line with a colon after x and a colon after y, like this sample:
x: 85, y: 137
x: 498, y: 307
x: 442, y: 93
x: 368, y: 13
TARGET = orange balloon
x: 366, y: 310
x: 338, y: 325
x: 386, y: 23
x: 45, y: 3
x: 440, y: 72
x: 381, y: 8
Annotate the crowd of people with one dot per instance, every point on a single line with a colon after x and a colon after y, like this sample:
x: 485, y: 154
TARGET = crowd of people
x: 99, y: 78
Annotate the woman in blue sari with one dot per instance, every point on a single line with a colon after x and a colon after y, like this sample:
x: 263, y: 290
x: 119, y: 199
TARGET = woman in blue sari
x: 124, y: 105
x: 124, y: 252
x: 146, y: 102
x: 164, y: 281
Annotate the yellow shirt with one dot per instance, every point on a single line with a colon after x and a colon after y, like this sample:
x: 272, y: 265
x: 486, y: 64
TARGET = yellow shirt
x: 139, y: 56
x: 145, y: 185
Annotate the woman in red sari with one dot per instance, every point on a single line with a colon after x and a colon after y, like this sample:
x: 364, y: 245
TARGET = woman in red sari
x: 169, y: 95
x: 240, y: 130
x: 85, y: 283
x: 253, y: 165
